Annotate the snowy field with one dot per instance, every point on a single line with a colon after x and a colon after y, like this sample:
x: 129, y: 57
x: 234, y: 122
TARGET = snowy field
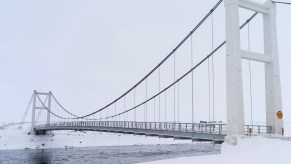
x: 13, y: 138
x: 256, y: 149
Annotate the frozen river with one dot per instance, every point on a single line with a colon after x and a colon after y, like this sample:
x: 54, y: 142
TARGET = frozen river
x: 108, y: 154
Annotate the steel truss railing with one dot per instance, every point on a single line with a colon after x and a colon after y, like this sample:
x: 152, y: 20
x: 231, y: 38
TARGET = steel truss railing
x: 205, y: 128
x: 258, y: 129
x: 209, y: 128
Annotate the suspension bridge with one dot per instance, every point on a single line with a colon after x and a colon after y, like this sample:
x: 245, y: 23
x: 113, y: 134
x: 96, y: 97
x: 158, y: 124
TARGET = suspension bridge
x: 130, y: 115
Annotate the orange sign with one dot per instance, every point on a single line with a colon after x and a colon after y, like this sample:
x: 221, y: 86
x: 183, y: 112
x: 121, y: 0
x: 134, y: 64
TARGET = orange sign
x: 280, y: 114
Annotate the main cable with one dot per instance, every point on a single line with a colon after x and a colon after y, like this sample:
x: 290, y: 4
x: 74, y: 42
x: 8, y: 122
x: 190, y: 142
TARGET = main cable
x: 49, y: 109
x: 285, y: 3
x: 184, y: 75
x: 62, y: 106
x: 26, y: 111
x: 40, y: 111
x: 197, y: 65
x: 159, y: 64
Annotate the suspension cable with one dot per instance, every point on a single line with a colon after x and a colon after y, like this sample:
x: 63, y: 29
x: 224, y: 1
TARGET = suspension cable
x: 115, y: 109
x: 250, y: 74
x: 40, y: 111
x: 212, y: 58
x: 192, y: 87
x: 165, y: 106
x: 62, y: 106
x: 179, y: 79
x: 174, y: 87
x: 159, y: 95
x: 154, y: 109
x: 166, y: 88
x: 124, y: 108
x: 285, y: 3
x: 134, y: 104
x: 48, y: 109
x: 146, y: 105
x: 106, y: 113
x: 209, y: 80
x: 26, y: 111
x: 119, y: 117
x: 208, y: 73
x: 159, y: 64
x: 184, y: 75
x: 178, y: 102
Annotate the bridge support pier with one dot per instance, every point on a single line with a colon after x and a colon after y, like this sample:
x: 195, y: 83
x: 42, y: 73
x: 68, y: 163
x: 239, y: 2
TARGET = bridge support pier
x: 234, y: 54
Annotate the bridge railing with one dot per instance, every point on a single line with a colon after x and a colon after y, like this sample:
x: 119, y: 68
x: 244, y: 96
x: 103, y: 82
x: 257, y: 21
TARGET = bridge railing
x: 210, y: 128
x: 257, y: 129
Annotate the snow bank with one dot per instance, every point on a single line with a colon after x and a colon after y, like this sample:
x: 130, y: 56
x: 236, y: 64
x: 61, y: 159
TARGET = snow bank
x: 258, y: 150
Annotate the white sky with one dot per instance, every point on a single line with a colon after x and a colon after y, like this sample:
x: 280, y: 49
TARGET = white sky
x: 89, y: 52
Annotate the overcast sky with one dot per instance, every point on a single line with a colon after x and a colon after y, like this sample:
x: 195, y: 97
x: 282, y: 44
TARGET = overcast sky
x: 90, y: 52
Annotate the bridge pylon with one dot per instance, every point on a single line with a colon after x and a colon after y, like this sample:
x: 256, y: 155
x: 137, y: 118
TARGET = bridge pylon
x: 234, y: 54
x: 35, y: 106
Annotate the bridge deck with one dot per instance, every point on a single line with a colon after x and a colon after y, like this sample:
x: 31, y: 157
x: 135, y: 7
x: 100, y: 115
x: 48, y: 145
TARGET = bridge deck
x: 195, y: 131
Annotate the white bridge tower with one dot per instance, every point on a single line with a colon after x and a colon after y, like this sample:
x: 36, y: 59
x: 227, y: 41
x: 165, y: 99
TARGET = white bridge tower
x: 45, y: 106
x: 234, y: 54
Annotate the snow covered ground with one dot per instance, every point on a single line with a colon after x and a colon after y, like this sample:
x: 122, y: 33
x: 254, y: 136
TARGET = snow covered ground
x: 256, y: 149
x: 253, y: 150
x: 13, y: 138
